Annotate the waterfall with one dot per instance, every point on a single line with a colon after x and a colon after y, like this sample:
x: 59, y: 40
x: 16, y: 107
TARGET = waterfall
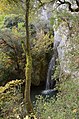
x: 50, y: 82
x: 60, y: 41
x: 51, y: 69
x: 49, y: 73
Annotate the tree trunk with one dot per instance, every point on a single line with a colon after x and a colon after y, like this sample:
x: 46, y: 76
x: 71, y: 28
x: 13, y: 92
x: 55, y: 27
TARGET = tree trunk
x: 28, y: 71
x: 28, y: 68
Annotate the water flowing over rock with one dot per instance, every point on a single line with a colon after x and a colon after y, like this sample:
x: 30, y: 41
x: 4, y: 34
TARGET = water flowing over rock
x: 50, y: 82
x: 61, y: 48
x: 50, y: 70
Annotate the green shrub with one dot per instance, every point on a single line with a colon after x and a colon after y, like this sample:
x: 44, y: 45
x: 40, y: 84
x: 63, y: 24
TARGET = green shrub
x: 1, y: 20
x: 65, y: 107
x: 11, y: 101
x: 12, y: 20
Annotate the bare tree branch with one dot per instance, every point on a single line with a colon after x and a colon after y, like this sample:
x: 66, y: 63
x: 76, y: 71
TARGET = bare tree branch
x: 69, y: 5
x: 44, y: 3
x: 3, y: 41
x: 77, y: 2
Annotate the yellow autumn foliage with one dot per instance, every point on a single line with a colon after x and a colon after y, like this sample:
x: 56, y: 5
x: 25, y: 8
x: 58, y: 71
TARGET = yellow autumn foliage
x: 9, y: 7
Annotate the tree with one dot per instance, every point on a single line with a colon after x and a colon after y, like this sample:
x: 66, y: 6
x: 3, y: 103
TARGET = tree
x: 26, y: 47
x: 28, y: 69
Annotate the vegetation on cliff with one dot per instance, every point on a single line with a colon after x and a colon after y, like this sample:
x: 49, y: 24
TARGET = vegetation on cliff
x: 26, y: 48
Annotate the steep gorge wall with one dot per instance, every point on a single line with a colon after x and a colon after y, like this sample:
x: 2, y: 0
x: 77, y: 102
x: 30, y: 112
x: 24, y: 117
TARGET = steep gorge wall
x: 64, y: 42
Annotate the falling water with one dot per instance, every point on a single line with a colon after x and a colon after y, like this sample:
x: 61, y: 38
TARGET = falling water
x: 49, y: 73
x: 51, y: 69
x: 50, y: 82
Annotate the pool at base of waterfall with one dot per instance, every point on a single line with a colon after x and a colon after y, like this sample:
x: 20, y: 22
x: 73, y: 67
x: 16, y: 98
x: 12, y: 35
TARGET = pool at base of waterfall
x: 49, y: 92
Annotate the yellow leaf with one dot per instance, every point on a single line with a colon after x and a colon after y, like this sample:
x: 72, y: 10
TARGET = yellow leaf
x: 75, y: 110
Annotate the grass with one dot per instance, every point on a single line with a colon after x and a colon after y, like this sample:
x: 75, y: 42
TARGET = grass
x: 65, y: 107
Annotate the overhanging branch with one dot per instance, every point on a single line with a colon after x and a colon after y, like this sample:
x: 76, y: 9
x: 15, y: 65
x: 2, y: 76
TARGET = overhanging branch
x: 44, y: 3
x: 69, y: 5
x: 77, y: 2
